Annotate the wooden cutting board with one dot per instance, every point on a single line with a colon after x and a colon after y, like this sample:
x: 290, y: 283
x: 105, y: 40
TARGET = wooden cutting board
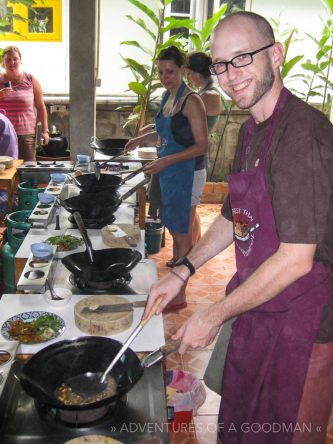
x: 102, y: 324
x: 115, y: 235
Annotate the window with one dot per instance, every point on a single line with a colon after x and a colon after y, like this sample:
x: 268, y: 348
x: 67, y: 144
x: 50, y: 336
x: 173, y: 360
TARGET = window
x: 213, y: 5
x: 201, y: 10
x: 180, y: 9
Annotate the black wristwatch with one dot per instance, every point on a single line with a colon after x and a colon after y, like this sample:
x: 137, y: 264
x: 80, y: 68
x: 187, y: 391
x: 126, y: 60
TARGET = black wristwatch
x: 184, y: 261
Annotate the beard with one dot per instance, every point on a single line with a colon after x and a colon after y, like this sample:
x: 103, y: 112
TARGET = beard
x: 262, y: 86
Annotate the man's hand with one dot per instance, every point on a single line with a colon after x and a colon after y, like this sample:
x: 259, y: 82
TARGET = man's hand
x: 199, y: 330
x: 167, y: 288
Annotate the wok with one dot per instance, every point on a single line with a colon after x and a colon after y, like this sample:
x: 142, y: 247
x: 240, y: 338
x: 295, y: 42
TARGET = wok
x: 97, y: 205
x: 106, y: 182
x: 100, y: 265
x: 108, y: 147
x: 56, y: 363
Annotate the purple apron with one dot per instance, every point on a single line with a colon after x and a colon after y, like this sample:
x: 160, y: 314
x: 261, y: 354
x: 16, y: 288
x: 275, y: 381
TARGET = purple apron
x: 270, y: 346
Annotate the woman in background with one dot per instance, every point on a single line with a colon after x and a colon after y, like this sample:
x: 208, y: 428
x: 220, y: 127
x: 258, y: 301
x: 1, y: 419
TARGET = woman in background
x: 181, y: 136
x: 18, y: 99
x: 199, y: 76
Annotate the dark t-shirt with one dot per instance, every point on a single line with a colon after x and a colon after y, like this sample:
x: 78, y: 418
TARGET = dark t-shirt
x: 299, y: 174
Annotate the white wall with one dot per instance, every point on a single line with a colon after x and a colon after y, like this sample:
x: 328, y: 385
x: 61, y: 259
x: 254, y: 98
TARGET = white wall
x: 49, y: 61
x: 305, y: 15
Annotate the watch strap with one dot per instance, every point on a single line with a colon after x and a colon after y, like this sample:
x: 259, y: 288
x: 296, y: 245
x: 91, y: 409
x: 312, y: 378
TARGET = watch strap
x: 185, y: 261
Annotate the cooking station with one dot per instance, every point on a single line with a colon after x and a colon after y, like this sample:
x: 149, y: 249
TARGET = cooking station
x: 140, y: 415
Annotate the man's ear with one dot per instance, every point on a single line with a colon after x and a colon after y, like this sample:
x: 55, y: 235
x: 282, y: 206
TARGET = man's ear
x: 278, y: 55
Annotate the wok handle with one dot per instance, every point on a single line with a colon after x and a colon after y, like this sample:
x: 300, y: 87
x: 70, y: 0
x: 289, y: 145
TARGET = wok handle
x: 157, y: 355
x: 133, y: 174
x: 135, y: 188
x: 93, y: 143
x: 84, y: 233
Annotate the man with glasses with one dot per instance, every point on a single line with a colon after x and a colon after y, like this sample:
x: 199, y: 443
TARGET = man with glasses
x: 277, y: 381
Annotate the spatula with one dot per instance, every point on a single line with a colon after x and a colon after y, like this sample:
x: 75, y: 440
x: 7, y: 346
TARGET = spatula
x: 89, y: 383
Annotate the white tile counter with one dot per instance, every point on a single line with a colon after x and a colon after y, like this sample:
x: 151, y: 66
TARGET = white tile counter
x: 150, y: 338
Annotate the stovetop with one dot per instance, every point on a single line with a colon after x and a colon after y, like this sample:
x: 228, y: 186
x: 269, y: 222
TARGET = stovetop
x: 141, y: 418
x: 120, y: 286
x: 141, y: 278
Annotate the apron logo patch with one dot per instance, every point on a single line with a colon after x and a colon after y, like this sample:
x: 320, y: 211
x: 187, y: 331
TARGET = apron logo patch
x: 244, y: 227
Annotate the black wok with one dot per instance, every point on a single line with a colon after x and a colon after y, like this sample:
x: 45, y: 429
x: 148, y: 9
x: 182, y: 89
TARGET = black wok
x: 56, y: 363
x: 108, y: 147
x: 100, y: 265
x: 106, y: 182
x: 97, y: 205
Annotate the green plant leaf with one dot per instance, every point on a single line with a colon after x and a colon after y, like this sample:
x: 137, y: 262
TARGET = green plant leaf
x: 178, y: 23
x: 210, y: 24
x: 140, y: 22
x: 137, y: 67
x: 137, y: 45
x: 196, y: 41
x: 149, y: 12
x: 138, y: 88
x: 288, y: 66
x: 308, y: 66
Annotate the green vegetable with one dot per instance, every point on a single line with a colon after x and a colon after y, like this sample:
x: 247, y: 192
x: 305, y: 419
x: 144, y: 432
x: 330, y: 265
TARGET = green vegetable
x: 65, y: 242
x: 46, y: 322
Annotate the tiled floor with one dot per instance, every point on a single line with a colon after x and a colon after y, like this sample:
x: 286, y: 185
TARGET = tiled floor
x: 206, y: 286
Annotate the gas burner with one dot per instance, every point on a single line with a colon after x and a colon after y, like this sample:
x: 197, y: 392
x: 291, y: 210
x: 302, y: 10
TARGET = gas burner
x: 43, y: 206
x: 80, y: 418
x: 94, y: 223
x: 116, y: 286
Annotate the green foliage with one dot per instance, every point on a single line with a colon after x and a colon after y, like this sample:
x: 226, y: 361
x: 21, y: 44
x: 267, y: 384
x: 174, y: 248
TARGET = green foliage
x: 157, y: 26
x: 318, y: 71
x: 200, y: 39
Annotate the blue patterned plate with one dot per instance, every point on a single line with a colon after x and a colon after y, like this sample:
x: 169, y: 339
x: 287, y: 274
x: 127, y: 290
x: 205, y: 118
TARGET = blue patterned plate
x: 30, y: 316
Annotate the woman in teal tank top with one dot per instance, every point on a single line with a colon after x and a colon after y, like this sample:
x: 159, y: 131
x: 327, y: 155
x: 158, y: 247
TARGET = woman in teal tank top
x: 181, y: 136
x: 199, y: 77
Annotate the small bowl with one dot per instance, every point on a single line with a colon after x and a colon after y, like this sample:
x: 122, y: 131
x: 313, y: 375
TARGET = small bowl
x: 58, y: 177
x: 46, y: 198
x: 64, y: 293
x: 82, y: 158
x: 2, y: 167
x: 42, y: 250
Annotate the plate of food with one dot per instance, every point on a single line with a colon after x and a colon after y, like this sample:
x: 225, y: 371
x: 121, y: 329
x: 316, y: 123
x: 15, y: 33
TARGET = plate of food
x: 33, y: 327
x: 65, y: 242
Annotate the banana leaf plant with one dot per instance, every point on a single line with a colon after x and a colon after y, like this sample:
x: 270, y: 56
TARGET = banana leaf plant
x: 319, y: 71
x: 156, y: 25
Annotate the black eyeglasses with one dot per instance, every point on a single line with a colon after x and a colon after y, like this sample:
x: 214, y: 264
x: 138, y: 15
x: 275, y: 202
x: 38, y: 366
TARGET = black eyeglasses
x: 237, y: 62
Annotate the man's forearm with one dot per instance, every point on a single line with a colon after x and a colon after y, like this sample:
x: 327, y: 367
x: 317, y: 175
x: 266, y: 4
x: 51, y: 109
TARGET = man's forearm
x: 289, y: 263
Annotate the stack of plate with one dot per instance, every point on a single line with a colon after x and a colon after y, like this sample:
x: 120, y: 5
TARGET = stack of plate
x: 7, y: 161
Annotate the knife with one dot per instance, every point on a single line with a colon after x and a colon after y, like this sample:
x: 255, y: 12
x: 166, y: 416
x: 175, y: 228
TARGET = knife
x: 113, y: 308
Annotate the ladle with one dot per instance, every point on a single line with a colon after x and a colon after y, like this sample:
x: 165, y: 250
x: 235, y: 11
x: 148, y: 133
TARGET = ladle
x: 84, y: 234
x: 97, y: 172
x: 87, y: 241
x: 54, y: 295
x: 57, y: 223
x: 89, y: 383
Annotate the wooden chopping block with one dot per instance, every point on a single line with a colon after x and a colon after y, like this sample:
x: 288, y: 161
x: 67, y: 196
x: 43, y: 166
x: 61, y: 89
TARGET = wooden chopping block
x: 115, y: 235
x: 102, y: 324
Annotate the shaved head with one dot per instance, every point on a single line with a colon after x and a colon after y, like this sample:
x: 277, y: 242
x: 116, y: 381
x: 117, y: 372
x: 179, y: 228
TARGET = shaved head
x: 261, y: 26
